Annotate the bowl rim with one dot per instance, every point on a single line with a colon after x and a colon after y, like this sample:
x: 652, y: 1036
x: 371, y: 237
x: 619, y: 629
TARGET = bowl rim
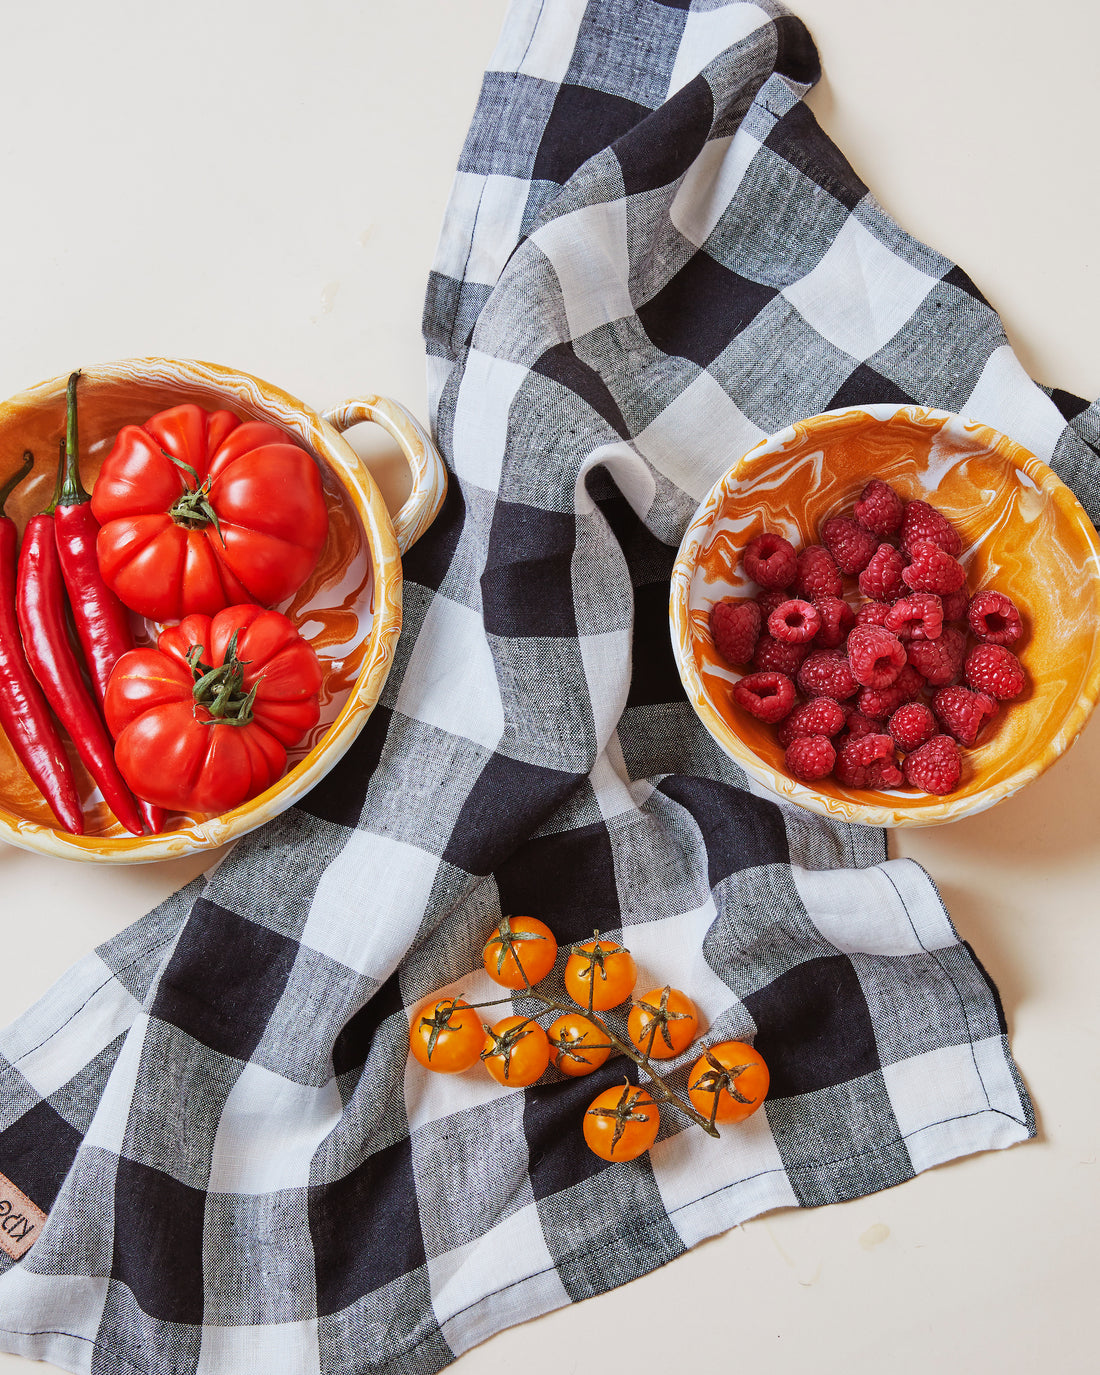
x: 791, y: 790
x: 327, y: 444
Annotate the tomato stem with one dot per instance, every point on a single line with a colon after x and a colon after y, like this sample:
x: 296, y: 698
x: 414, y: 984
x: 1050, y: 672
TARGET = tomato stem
x: 219, y: 689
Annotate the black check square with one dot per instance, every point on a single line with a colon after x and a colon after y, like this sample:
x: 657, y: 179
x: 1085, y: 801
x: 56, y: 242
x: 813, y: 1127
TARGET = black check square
x: 702, y: 309
x: 527, y: 586
x: 739, y: 829
x: 582, y: 123
x: 224, y: 979
x: 510, y: 799
x: 799, y: 139
x: 813, y: 1027
x: 36, y: 1152
x: 158, y: 1242
x: 365, y: 1229
x: 567, y: 879
x: 662, y: 149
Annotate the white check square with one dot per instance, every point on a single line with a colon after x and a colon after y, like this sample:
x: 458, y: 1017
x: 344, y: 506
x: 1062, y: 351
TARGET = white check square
x: 451, y: 680
x: 480, y: 433
x: 291, y: 1348
x: 269, y: 1132
x: 514, y: 1250
x: 1006, y: 398
x: 707, y: 33
x: 588, y: 251
x: 860, y: 294
x: 369, y: 903
x: 698, y: 437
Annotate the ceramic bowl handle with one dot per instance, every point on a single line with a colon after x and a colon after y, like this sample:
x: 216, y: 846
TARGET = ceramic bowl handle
x: 429, y: 476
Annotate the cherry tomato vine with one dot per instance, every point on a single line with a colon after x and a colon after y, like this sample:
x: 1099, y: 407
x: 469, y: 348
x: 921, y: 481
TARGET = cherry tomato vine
x: 727, y: 1083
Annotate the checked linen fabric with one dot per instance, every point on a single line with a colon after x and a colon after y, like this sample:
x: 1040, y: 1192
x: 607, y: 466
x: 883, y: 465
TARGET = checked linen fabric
x: 652, y: 257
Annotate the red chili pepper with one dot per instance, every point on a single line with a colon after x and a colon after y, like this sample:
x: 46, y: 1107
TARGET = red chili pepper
x: 102, y: 622
x: 24, y: 713
x: 40, y: 607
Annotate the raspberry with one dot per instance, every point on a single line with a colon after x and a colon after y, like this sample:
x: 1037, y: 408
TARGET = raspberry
x: 767, y: 601
x: 822, y: 716
x: 880, y: 703
x: 924, y: 522
x: 876, y: 656
x: 883, y: 773
x: 932, y: 570
x: 859, y: 724
x: 963, y: 713
x: 955, y: 604
x: 863, y: 758
x: 794, y: 622
x: 773, y: 656
x: 735, y: 629
x: 881, y: 579
x: 911, y: 725
x: 837, y: 619
x: 817, y: 575
x: 872, y: 613
x: 810, y: 757
x: 939, y: 661
x: 827, y: 674
x: 769, y: 560
x: 850, y: 544
x: 996, y: 670
x: 993, y: 617
x: 767, y: 696
x: 935, y: 767
x: 879, y: 508
x: 917, y: 617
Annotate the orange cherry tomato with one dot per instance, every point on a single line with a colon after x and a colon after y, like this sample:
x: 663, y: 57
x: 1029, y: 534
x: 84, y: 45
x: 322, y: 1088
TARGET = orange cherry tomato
x: 622, y: 1123
x: 446, y: 1036
x: 728, y: 1082
x: 662, y: 1023
x: 519, y: 946
x: 600, y: 974
x: 516, y: 1051
x: 577, y: 1046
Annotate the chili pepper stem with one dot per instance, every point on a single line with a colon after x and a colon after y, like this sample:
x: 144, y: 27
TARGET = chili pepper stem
x: 70, y: 490
x: 15, y: 479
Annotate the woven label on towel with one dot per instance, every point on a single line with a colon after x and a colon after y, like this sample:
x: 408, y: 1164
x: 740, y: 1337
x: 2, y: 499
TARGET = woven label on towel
x: 20, y: 1220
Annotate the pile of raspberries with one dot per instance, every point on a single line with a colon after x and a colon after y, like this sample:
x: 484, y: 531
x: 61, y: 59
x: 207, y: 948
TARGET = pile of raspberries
x: 891, y: 685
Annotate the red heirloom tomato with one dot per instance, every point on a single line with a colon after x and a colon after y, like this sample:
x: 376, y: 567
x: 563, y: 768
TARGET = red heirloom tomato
x: 200, y: 512
x: 202, y: 722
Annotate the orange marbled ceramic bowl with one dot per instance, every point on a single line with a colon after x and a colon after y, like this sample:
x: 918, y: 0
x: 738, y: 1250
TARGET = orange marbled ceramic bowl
x: 349, y: 608
x: 1024, y: 534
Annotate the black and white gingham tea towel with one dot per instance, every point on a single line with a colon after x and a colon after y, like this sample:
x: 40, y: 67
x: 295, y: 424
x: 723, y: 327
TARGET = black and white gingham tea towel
x: 652, y: 257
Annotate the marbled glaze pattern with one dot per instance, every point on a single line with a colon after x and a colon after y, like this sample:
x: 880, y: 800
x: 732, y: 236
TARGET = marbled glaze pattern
x: 1024, y: 533
x: 350, y: 608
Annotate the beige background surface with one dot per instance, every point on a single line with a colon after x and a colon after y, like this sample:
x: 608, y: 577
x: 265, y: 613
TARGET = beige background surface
x: 262, y: 184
